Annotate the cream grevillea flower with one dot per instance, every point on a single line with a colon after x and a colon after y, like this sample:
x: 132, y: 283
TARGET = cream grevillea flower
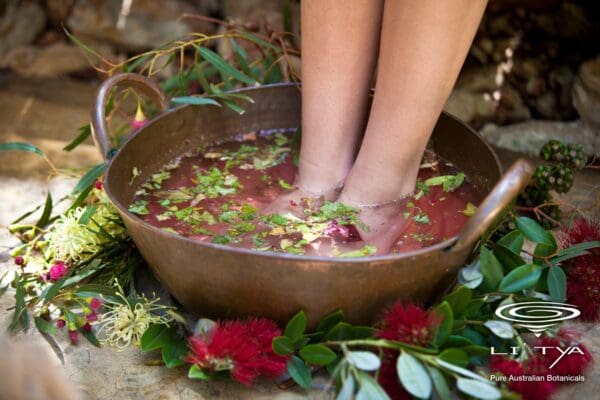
x: 125, y: 323
x: 68, y: 240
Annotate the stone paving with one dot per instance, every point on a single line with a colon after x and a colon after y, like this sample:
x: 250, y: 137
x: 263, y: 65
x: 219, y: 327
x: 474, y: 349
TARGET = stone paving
x: 47, y: 113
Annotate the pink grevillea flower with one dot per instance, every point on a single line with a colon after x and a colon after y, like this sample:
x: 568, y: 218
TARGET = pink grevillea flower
x: 241, y: 347
x: 57, y: 271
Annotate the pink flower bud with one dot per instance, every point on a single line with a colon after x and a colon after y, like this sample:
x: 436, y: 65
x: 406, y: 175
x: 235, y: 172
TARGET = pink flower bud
x: 74, y: 336
x: 60, y: 323
x: 19, y: 260
x: 57, y: 271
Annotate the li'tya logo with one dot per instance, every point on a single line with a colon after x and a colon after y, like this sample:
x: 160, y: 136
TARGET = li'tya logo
x: 537, y: 317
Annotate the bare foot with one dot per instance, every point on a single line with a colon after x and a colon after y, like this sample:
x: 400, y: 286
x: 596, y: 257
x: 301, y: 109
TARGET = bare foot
x: 297, y: 200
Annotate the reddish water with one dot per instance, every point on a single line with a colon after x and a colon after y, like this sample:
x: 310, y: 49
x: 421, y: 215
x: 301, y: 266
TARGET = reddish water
x: 190, y: 203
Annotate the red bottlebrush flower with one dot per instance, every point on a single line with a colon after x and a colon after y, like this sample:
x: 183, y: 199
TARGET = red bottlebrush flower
x: 60, y: 323
x: 583, y: 272
x: 528, y: 389
x: 571, y: 363
x: 19, y: 260
x: 98, y: 185
x: 57, y: 271
x: 96, y: 304
x: 244, y: 348
x: 409, y: 324
x: 74, y: 336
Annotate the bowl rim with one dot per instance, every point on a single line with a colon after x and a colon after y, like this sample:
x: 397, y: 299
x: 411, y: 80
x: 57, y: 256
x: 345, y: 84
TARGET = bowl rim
x: 445, y: 245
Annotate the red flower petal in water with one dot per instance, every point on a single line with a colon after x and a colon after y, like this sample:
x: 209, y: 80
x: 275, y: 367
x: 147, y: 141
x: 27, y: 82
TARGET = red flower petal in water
x: 572, y: 362
x: 241, y: 347
x: 57, y: 271
x: 342, y: 233
x: 583, y: 273
x: 409, y: 324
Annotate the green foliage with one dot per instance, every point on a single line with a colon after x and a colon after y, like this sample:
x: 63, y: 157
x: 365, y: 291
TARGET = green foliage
x: 165, y: 338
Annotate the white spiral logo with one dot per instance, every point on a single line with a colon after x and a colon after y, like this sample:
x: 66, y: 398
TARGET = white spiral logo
x: 537, y: 316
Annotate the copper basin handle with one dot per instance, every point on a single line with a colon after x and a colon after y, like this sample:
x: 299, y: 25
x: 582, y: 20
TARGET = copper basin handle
x: 144, y: 85
x: 509, y: 186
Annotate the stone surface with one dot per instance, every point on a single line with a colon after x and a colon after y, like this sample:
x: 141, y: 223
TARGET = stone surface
x: 586, y: 92
x: 528, y: 137
x: 20, y: 23
x: 149, y: 24
x: 48, y: 61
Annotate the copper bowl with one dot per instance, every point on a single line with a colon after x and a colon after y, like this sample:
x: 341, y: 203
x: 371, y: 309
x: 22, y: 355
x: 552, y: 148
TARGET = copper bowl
x: 220, y: 281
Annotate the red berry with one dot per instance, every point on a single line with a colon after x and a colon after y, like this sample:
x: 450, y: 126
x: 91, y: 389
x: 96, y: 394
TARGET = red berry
x: 19, y: 260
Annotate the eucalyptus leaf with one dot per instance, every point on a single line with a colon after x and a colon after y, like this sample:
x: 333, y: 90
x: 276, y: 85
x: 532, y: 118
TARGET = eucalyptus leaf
x: 89, y: 177
x: 45, y: 326
x: 439, y: 383
x: 478, y: 389
x: 347, y: 389
x: 501, y: 329
x: 18, y: 146
x: 195, y: 100
x: 364, y: 360
x: 413, y: 376
x: 223, y: 66
x: 461, y: 371
x: 470, y: 275
x: 370, y: 389
x: 84, y: 132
